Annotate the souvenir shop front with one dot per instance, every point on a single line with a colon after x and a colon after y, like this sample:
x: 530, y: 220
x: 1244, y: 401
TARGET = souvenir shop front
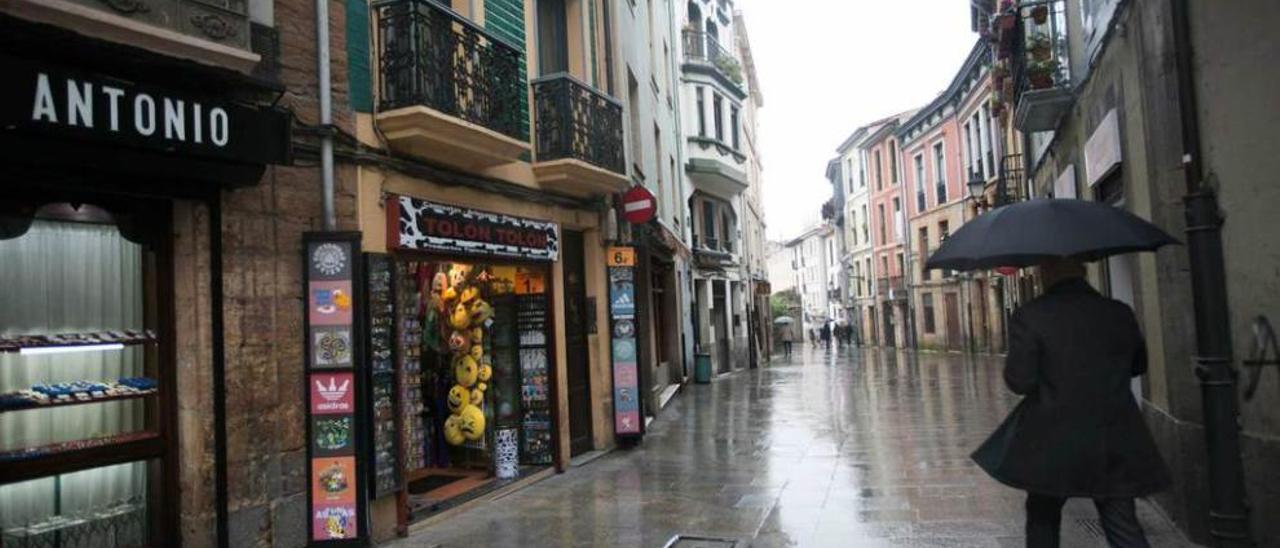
x: 92, y: 184
x: 460, y: 353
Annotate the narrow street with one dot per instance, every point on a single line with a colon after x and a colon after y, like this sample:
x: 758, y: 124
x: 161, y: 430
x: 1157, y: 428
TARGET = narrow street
x: 864, y: 448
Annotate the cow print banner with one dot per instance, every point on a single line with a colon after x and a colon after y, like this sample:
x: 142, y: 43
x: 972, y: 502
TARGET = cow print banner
x: 428, y: 226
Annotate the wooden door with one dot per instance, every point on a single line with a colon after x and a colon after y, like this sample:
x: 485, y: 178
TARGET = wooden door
x: 951, y: 309
x: 576, y: 350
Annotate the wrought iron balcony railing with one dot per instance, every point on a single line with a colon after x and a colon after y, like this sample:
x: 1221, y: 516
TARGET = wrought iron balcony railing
x: 1011, y: 186
x: 891, y: 283
x: 576, y: 121
x: 434, y: 57
x: 1040, y: 65
x: 703, y: 48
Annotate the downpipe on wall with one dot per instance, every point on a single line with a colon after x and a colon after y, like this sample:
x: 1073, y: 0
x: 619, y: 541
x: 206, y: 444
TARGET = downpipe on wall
x: 326, y: 113
x: 1228, y: 506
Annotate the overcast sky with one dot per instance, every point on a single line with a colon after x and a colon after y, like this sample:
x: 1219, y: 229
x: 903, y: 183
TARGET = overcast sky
x: 829, y: 66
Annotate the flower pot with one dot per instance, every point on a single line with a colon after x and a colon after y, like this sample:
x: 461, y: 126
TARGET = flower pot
x: 1040, y: 80
x: 1041, y: 53
x: 1040, y: 14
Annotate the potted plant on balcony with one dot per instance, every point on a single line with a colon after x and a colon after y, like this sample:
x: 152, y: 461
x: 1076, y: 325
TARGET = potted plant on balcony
x: 999, y: 72
x: 730, y: 67
x: 1039, y: 47
x: 1040, y: 73
x: 1040, y: 14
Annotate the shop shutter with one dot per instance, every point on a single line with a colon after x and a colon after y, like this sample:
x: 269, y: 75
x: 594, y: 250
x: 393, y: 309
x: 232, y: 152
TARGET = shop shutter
x: 505, y: 19
x: 360, y: 81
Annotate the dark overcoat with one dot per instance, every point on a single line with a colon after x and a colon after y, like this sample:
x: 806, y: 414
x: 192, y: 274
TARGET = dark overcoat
x: 1078, y: 431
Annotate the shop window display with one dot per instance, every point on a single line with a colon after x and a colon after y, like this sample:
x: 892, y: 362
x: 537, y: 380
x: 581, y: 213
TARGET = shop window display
x: 471, y: 354
x: 79, y: 378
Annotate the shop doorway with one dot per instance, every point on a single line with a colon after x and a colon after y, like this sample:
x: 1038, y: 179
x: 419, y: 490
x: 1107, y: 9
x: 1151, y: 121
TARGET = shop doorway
x: 718, y: 312
x: 576, y: 348
x: 889, y: 339
x: 951, y: 308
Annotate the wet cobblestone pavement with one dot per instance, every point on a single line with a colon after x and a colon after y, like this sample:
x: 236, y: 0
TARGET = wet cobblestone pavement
x: 856, y: 448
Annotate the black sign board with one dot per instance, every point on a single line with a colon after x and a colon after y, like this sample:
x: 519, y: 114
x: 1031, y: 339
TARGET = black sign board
x: 49, y: 100
x: 427, y: 226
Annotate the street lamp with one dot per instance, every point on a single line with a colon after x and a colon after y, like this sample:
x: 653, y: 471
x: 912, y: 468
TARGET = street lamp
x: 977, y: 185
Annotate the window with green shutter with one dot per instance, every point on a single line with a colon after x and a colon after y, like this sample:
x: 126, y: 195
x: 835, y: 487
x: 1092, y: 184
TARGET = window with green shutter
x: 505, y: 19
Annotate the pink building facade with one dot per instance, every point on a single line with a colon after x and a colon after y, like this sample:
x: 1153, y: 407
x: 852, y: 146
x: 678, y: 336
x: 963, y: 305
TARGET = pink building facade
x: 890, y: 313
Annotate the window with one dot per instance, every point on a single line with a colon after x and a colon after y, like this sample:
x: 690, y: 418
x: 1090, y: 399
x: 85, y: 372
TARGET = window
x: 553, y: 50
x: 893, y: 162
x: 902, y: 265
x: 657, y: 167
x: 920, y: 200
x: 878, y: 168
x: 868, y: 271
x: 853, y: 222
x: 865, y: 220
x: 848, y: 175
x: 726, y: 233
x: 717, y: 115
x: 944, y: 231
x: 862, y: 170
x: 926, y: 303
x: 880, y: 208
x: 708, y: 224
x: 940, y: 172
x: 633, y: 111
x: 898, y: 225
x: 984, y: 141
x: 884, y: 266
x: 733, y: 125
x: 969, y: 157
x: 924, y: 251
x: 702, y: 110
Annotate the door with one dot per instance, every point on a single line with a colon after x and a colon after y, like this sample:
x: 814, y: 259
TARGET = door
x: 553, y: 41
x: 575, y: 340
x: 951, y: 309
x: 721, y: 330
x: 888, y: 326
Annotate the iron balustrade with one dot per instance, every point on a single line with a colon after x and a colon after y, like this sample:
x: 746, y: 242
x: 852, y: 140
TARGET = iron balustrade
x: 576, y: 121
x: 1039, y: 55
x: 703, y: 48
x: 434, y: 57
x: 1011, y: 186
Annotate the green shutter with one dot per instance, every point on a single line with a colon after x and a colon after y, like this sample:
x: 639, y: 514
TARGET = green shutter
x: 505, y: 19
x: 359, y: 79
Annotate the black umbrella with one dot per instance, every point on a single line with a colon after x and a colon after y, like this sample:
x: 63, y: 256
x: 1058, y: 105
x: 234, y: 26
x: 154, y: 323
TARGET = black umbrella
x: 1030, y: 232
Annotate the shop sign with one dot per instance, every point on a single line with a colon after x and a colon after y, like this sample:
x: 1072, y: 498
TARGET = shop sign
x: 334, y: 457
x: 427, y: 226
x: 626, y: 371
x: 1102, y: 150
x: 622, y: 256
x: 47, y: 99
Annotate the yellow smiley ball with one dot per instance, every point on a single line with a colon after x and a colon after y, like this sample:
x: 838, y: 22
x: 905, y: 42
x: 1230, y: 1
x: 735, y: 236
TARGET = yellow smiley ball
x: 477, y: 396
x: 485, y: 373
x: 477, y: 352
x: 482, y: 386
x: 466, y: 372
x: 460, y: 318
x: 477, y: 335
x: 453, y: 430
x: 471, y: 422
x: 458, y: 397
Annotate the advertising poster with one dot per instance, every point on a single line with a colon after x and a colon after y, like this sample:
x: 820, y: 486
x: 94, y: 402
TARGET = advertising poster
x: 333, y: 346
x: 332, y: 393
x: 622, y: 308
x: 333, y: 522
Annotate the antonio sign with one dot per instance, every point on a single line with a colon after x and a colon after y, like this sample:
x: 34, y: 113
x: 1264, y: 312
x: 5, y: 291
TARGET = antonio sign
x: 426, y: 226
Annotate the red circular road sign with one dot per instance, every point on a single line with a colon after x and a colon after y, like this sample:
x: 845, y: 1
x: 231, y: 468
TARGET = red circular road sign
x: 638, y: 205
x: 1006, y: 270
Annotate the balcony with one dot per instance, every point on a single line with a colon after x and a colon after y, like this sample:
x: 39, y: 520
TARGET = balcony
x: 704, y: 54
x: 1040, y: 66
x: 1011, y: 186
x: 578, y: 136
x: 890, y: 288
x: 713, y: 253
x: 450, y: 92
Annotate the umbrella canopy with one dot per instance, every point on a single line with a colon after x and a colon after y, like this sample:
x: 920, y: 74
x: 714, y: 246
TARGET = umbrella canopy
x: 783, y: 320
x: 1031, y: 232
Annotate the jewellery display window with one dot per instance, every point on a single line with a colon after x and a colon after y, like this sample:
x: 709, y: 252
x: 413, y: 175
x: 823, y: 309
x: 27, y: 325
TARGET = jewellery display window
x: 85, y: 385
x: 383, y: 384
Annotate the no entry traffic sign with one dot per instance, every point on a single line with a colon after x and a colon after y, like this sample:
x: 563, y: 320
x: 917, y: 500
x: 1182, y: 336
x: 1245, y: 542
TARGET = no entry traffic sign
x: 638, y: 205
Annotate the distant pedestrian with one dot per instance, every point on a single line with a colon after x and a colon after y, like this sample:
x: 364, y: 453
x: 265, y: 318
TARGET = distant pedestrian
x: 787, y: 336
x: 1078, y: 431
x: 813, y: 336
x: 826, y: 334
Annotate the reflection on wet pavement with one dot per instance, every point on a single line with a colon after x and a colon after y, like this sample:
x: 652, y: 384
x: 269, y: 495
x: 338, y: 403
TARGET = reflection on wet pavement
x: 851, y: 448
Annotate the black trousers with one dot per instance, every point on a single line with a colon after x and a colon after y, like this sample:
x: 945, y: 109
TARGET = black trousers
x: 786, y: 347
x: 1119, y: 519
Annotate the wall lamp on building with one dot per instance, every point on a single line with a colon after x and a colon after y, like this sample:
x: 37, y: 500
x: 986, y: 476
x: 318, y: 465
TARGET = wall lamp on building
x: 977, y: 191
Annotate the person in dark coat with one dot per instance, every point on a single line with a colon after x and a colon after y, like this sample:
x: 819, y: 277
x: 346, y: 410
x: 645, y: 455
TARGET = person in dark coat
x: 825, y: 334
x: 1078, y: 431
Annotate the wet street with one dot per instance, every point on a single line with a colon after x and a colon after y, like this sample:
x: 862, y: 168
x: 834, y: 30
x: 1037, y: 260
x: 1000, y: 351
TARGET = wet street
x: 856, y: 448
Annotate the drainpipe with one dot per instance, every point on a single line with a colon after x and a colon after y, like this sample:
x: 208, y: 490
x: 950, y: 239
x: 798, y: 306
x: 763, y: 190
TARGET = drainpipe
x: 326, y: 112
x: 1228, y: 507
